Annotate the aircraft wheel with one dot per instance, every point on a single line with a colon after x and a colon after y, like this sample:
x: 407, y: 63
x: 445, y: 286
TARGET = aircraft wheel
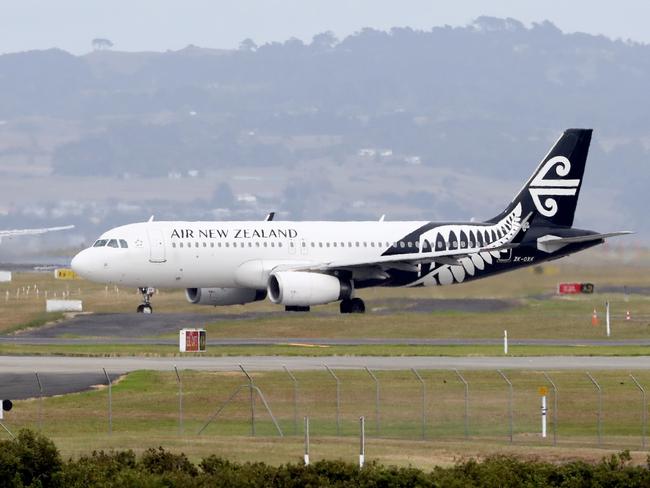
x: 144, y: 308
x: 345, y: 306
x: 357, y: 306
x: 296, y: 308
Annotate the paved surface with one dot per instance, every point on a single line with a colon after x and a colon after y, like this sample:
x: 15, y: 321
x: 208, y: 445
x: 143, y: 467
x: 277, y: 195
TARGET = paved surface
x: 61, y: 364
x: 68, y: 374
x: 144, y: 325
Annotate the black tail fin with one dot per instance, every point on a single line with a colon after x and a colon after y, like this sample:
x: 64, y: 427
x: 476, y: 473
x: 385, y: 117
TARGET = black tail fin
x: 551, y: 193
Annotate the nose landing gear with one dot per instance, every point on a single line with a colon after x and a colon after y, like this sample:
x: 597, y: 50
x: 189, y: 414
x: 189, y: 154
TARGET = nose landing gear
x: 145, y: 306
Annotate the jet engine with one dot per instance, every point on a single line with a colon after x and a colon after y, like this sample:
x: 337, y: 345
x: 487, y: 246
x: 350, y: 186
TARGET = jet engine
x: 223, y: 296
x: 300, y: 288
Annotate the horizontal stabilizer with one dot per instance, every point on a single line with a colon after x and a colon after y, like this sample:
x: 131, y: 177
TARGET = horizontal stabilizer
x: 551, y: 243
x: 587, y: 238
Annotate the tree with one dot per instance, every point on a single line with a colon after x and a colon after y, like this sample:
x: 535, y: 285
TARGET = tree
x: 324, y: 40
x: 100, y: 44
x: 248, y: 44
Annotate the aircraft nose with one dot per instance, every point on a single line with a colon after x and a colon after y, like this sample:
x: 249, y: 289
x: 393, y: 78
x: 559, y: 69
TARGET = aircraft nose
x: 82, y: 264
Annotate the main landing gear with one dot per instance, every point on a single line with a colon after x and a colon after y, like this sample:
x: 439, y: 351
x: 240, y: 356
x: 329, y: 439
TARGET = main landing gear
x: 296, y: 308
x: 354, y: 305
x: 145, y: 306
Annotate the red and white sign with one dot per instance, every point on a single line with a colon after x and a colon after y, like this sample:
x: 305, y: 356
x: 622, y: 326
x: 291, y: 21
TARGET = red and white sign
x: 569, y: 288
x: 192, y: 340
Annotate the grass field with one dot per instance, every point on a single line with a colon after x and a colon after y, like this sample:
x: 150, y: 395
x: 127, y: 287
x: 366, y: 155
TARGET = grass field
x: 534, y: 313
x: 145, y: 414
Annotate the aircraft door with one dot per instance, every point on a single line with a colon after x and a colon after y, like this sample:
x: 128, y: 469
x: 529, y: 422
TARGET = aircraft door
x: 156, y: 246
x: 292, y: 246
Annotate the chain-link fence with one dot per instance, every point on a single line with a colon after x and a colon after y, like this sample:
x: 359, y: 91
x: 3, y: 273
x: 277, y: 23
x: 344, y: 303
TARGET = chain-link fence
x: 597, y: 408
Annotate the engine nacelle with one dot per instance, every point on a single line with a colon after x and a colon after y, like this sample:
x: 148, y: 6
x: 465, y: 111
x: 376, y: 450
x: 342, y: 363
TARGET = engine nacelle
x: 223, y: 296
x: 300, y: 288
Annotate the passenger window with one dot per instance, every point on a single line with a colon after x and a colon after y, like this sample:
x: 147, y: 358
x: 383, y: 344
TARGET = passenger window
x: 205, y: 244
x: 327, y: 244
x: 320, y: 244
x: 123, y: 244
x: 357, y: 244
x: 265, y: 244
x: 334, y: 244
x: 409, y: 244
x: 218, y: 244
x: 250, y: 244
x: 313, y: 244
x: 272, y: 244
x: 349, y: 244
x: 401, y: 243
x: 113, y: 243
x: 279, y: 244
x: 257, y: 244
x: 212, y: 244
x: 173, y: 244
x: 242, y: 244
x: 100, y: 243
x: 291, y: 244
x: 180, y: 244
x: 227, y: 244
x: 365, y: 244
x: 304, y: 244
x: 372, y: 244
x: 196, y: 244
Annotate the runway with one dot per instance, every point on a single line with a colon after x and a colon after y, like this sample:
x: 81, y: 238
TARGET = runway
x: 68, y: 374
x: 279, y: 341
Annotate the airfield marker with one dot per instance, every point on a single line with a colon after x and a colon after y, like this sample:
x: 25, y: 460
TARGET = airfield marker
x: 306, y: 458
x: 607, y: 319
x: 594, y: 318
x: 543, y: 391
x: 505, y: 342
x: 627, y: 315
x: 362, y: 441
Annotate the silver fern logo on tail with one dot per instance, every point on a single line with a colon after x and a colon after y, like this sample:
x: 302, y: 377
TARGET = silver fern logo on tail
x: 542, y: 187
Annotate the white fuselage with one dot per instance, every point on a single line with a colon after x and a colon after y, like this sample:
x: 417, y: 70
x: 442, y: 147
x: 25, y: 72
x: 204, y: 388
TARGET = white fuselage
x: 232, y: 254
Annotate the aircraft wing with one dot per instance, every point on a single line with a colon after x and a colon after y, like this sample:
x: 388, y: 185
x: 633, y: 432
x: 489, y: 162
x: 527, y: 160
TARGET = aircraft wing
x: 413, y: 258
x: 31, y: 232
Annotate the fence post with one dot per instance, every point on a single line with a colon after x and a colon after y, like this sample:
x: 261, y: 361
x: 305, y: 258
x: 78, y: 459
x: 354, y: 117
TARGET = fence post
x: 644, y: 411
x: 252, y: 399
x: 424, y: 401
x: 306, y: 441
x: 40, y: 402
x: 180, y: 401
x: 555, y: 393
x: 295, y: 399
x: 510, y: 407
x: 377, y: 418
x: 338, y: 400
x: 466, y: 388
x: 110, y: 402
x: 362, y: 441
x: 600, y: 408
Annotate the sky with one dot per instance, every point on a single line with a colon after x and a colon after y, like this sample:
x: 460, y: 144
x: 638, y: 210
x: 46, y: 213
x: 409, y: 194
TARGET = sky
x: 159, y: 25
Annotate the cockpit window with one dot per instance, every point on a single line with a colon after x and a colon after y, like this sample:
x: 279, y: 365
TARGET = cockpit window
x: 100, y: 243
x: 113, y: 243
x: 123, y: 243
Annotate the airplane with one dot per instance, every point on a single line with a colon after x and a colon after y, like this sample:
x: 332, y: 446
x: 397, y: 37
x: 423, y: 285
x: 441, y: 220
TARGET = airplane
x: 302, y: 264
x: 30, y: 232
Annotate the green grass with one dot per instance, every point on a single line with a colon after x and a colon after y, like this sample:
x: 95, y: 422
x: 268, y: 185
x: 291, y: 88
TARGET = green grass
x: 145, y: 414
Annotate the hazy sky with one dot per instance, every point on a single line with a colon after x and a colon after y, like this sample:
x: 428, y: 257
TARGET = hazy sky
x: 135, y: 25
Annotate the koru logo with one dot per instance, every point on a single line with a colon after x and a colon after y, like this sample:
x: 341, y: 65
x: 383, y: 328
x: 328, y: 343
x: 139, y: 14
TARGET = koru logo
x: 541, y: 187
